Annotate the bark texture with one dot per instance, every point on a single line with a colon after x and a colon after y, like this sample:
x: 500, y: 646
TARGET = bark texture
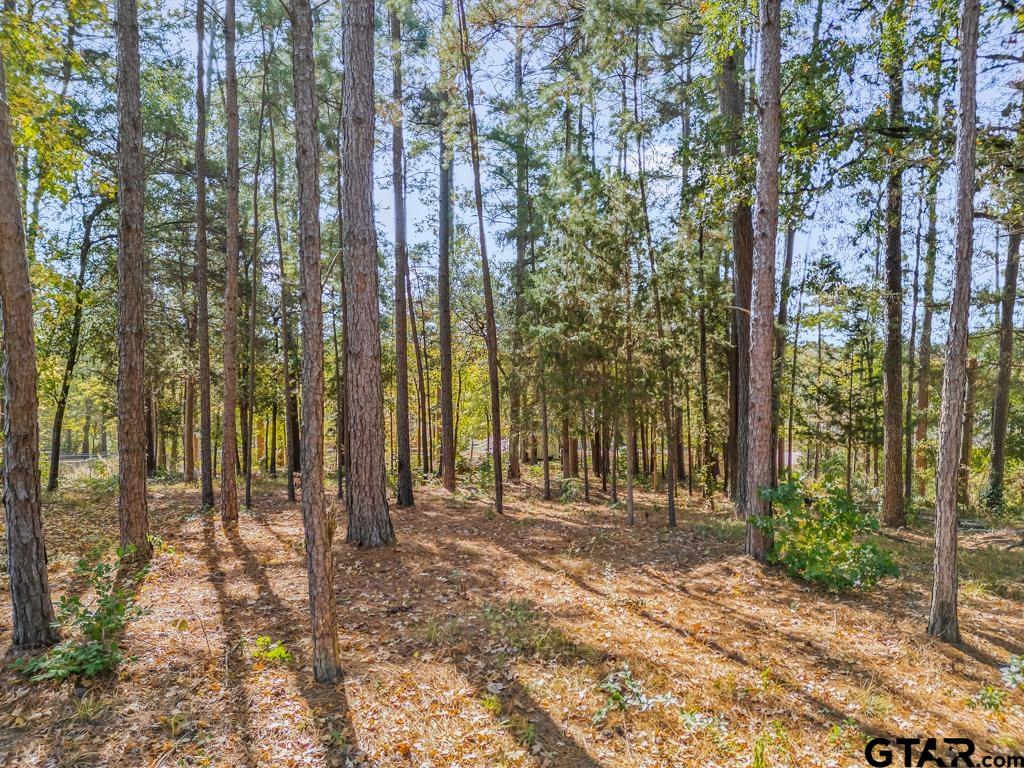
x: 131, y: 268
x: 762, y: 318
x: 942, y: 619
x: 491, y: 328
x: 74, y: 343
x: 202, y: 271
x: 731, y: 98
x: 31, y: 607
x: 229, y: 439
x: 893, y: 511
x: 967, y: 438
x: 404, y: 454
x: 369, y: 522
x: 319, y: 556
x: 1001, y: 406
x: 291, y: 433
x: 444, y: 305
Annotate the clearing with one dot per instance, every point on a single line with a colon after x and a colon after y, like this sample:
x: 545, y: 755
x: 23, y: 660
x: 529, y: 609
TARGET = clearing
x: 484, y: 641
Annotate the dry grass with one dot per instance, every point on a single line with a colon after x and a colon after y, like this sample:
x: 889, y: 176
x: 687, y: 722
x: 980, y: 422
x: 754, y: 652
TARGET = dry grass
x: 482, y: 641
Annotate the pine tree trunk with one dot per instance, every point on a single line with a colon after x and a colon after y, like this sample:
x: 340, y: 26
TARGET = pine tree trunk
x: 515, y: 384
x: 421, y: 382
x: 188, y: 427
x: 893, y: 56
x: 319, y: 557
x: 544, y: 429
x: 781, y: 332
x: 491, y: 327
x: 444, y: 311
x: 942, y: 618
x: 74, y: 340
x: 731, y: 96
x: 369, y: 523
x: 1001, y: 406
x: 202, y: 270
x: 404, y: 455
x: 291, y: 432
x: 254, y: 282
x: 928, y: 300
x: 131, y: 267
x: 229, y: 441
x: 31, y: 606
x: 762, y: 319
x: 967, y: 439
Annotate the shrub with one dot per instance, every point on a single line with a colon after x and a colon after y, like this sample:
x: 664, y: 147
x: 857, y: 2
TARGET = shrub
x: 570, y: 490
x: 990, y: 698
x: 270, y: 651
x: 1013, y: 673
x: 820, y: 538
x: 92, y: 649
x: 624, y: 692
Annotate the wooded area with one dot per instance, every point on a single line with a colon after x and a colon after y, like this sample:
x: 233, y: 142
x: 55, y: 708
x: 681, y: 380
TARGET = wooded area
x: 657, y: 357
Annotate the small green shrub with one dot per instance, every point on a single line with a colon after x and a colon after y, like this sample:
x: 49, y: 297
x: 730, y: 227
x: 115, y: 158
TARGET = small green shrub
x: 1013, y: 673
x: 92, y: 650
x: 270, y: 651
x: 990, y: 698
x: 624, y: 693
x: 570, y: 490
x: 819, y: 538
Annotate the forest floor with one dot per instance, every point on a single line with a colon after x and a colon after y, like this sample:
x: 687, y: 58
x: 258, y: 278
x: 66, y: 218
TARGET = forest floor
x: 483, y: 641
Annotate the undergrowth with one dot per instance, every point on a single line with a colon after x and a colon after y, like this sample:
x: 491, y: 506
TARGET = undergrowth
x: 95, y: 625
x: 820, y: 538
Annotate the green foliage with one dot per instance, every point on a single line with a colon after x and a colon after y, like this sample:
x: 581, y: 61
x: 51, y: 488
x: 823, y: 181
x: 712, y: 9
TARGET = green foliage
x: 820, y: 538
x: 1013, y: 673
x: 522, y: 630
x: 92, y: 650
x: 571, y: 489
x: 270, y: 651
x: 990, y: 698
x: 625, y: 693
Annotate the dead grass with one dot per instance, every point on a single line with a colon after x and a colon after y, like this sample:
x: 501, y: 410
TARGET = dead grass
x: 482, y: 641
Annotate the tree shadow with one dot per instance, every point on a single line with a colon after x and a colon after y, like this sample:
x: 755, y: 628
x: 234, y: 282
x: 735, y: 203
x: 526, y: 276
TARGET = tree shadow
x: 284, y: 621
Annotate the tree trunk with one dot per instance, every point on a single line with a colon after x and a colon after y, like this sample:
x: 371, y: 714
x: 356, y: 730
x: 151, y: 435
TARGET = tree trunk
x: 967, y: 439
x: 908, y: 417
x: 319, y: 557
x: 931, y: 250
x: 666, y: 380
x: 421, y: 381
x: 254, y: 282
x: 229, y: 441
x: 731, y: 97
x: 404, y: 455
x: 31, y: 607
x: 202, y: 271
x: 893, y: 56
x: 515, y: 384
x: 762, y: 319
x: 544, y: 429
x: 492, y: 331
x: 188, y: 427
x: 291, y: 432
x: 131, y: 268
x: 707, y: 487
x: 369, y: 523
x: 781, y: 332
x: 74, y: 341
x: 942, y: 619
x: 444, y: 311
x: 1001, y: 406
